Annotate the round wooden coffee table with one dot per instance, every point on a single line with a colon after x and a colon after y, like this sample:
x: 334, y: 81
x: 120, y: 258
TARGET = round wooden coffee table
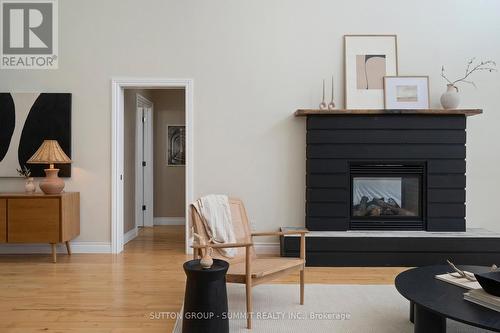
x: 432, y: 300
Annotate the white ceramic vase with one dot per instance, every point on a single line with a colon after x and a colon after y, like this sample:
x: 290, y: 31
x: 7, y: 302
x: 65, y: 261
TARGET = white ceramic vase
x: 29, y: 185
x: 451, y: 98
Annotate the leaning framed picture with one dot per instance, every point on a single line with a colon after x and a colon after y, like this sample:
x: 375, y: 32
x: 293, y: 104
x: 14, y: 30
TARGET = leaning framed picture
x: 367, y: 59
x: 406, y: 92
x: 176, y: 143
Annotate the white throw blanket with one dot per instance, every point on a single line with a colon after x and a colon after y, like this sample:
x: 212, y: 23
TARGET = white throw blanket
x: 216, y: 216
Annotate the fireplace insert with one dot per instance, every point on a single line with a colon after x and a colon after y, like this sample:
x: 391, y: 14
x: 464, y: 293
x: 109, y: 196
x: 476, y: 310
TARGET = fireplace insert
x: 387, y: 196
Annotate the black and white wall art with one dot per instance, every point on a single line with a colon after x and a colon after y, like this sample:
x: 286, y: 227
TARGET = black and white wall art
x: 26, y: 120
x: 176, y: 143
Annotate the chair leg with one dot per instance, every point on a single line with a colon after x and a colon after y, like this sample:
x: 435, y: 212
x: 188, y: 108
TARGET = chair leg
x: 302, y: 272
x: 249, y: 304
x: 248, y: 282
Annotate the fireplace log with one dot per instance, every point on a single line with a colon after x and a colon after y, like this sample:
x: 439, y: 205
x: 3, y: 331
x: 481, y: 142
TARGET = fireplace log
x: 378, y: 207
x: 400, y: 211
x: 361, y: 208
x: 374, y: 210
x: 393, y: 203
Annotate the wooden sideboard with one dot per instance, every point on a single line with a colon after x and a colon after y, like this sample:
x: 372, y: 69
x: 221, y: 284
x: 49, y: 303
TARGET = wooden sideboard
x: 40, y: 218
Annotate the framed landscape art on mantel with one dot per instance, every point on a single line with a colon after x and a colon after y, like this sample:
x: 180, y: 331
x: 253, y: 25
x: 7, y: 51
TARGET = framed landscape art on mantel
x: 367, y: 59
x: 406, y: 92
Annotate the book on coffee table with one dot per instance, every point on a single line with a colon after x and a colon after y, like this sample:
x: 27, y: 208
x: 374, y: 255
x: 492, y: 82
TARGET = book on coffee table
x: 459, y: 281
x: 481, y: 297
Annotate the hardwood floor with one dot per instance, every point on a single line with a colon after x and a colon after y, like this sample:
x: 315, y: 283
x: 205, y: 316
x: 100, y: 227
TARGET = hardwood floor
x: 104, y: 293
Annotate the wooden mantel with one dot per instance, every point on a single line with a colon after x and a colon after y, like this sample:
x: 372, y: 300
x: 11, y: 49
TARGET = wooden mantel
x: 464, y: 112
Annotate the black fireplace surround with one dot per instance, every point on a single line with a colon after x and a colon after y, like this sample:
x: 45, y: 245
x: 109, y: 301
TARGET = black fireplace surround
x: 390, y: 172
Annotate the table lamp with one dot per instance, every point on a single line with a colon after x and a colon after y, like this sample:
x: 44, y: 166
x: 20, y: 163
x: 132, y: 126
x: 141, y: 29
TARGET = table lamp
x: 49, y: 153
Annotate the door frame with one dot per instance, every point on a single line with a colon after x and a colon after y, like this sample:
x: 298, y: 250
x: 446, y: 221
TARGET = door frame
x: 144, y: 147
x: 118, y: 85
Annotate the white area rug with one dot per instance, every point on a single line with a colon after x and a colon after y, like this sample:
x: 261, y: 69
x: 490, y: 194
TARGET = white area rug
x: 344, y: 308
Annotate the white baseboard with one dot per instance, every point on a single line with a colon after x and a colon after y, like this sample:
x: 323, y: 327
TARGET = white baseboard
x: 76, y: 247
x: 102, y: 247
x: 267, y: 248
x: 129, y: 235
x: 169, y: 221
x: 90, y: 247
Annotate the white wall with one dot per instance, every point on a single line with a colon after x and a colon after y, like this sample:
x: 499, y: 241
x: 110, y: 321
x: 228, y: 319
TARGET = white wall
x: 253, y: 64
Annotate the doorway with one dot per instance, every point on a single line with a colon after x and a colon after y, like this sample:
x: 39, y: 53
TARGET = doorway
x: 118, y: 143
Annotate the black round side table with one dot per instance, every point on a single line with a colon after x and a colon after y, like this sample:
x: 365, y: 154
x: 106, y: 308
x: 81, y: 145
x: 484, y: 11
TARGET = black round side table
x: 205, y: 300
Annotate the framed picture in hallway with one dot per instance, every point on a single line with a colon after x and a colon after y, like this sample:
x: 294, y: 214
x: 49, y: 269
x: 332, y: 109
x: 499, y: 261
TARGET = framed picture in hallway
x: 176, y: 145
x: 367, y: 59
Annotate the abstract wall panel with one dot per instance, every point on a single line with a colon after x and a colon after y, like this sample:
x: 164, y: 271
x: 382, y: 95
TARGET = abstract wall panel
x: 26, y: 119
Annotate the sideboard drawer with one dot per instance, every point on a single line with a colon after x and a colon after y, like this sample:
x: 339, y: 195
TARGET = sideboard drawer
x: 33, y: 220
x: 3, y: 220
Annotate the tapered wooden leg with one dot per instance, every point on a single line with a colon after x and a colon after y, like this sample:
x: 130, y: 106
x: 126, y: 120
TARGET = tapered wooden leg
x: 248, y: 273
x: 54, y: 252
x: 302, y: 272
x: 249, y: 305
x: 68, y: 248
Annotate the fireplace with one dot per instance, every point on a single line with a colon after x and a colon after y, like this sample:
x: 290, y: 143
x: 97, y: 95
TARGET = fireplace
x: 387, y: 196
x: 387, y: 188
x: 386, y: 171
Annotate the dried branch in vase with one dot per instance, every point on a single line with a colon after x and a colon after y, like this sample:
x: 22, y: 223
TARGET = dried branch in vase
x: 471, y: 67
x: 24, y: 172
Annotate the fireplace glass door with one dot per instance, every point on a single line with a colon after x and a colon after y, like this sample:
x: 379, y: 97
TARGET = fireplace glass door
x: 386, y: 196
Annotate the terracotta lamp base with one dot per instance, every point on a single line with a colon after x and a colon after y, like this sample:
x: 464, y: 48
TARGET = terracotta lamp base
x: 52, y: 184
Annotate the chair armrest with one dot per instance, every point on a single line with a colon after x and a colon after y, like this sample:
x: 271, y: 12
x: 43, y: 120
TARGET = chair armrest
x: 280, y: 233
x: 221, y: 246
x: 302, y: 234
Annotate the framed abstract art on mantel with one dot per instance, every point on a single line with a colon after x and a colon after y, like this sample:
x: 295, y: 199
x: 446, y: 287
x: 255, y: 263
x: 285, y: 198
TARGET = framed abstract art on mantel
x: 367, y: 59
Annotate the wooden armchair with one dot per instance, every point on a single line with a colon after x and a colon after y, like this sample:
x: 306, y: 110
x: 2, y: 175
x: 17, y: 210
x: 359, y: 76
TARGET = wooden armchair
x: 246, y: 267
